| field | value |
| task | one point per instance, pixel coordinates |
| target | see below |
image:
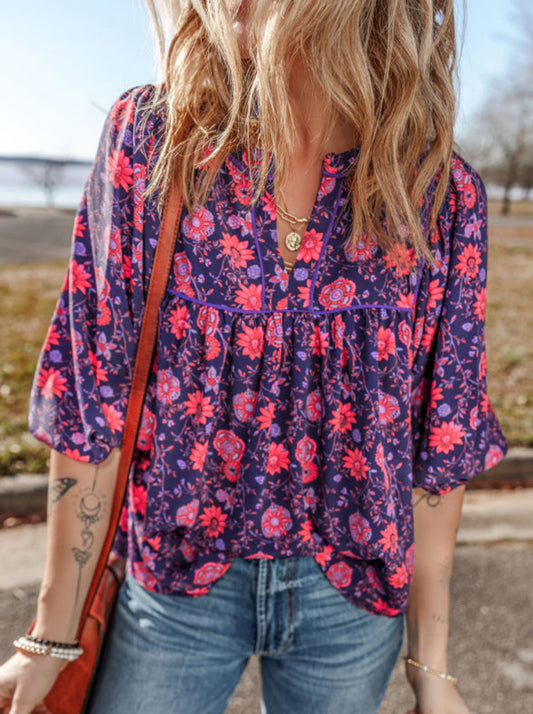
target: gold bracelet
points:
(430, 670)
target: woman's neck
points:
(318, 132)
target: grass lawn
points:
(28, 294)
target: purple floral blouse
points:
(286, 414)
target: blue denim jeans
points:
(319, 653)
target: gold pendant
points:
(293, 240)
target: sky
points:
(63, 64)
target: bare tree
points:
(47, 174)
(503, 140)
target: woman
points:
(318, 394)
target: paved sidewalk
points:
(491, 644)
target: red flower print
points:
(338, 330)
(305, 450)
(363, 250)
(213, 520)
(80, 279)
(274, 330)
(244, 405)
(251, 340)
(480, 306)
(76, 455)
(314, 408)
(356, 463)
(146, 431)
(212, 348)
(386, 343)
(404, 331)
(144, 576)
(228, 445)
(266, 416)
(304, 293)
(469, 195)
(388, 408)
(168, 387)
(138, 498)
(199, 406)
(337, 294)
(243, 190)
(276, 522)
(238, 251)
(231, 470)
(113, 417)
(493, 456)
(99, 371)
(179, 321)
(389, 538)
(103, 315)
(210, 572)
(410, 559)
(249, 296)
(51, 383)
(406, 256)
(120, 171)
(52, 338)
(435, 293)
(309, 472)
(186, 515)
(339, 575)
(469, 261)
(343, 418)
(446, 437)
(269, 205)
(79, 228)
(436, 395)
(278, 458)
(319, 341)
(182, 274)
(306, 532)
(324, 556)
(198, 225)
(400, 577)
(483, 364)
(405, 300)
(198, 455)
(359, 528)
(311, 246)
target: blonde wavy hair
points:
(386, 66)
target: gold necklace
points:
(293, 240)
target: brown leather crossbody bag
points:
(71, 691)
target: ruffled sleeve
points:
(455, 431)
(82, 381)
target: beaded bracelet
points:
(430, 670)
(42, 647)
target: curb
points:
(25, 494)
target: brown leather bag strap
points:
(143, 361)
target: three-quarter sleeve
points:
(82, 381)
(455, 431)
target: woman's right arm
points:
(80, 497)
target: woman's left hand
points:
(434, 695)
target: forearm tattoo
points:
(440, 619)
(58, 488)
(90, 510)
(433, 500)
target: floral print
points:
(286, 413)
